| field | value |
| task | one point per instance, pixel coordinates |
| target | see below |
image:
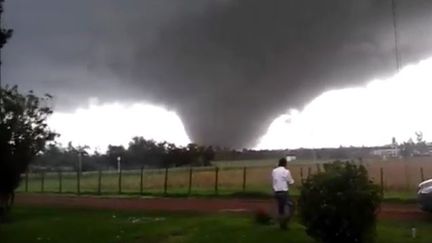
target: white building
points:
(290, 157)
(389, 152)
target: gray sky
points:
(228, 67)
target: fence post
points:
(78, 182)
(216, 180)
(120, 180)
(141, 180)
(301, 175)
(309, 171)
(26, 181)
(318, 168)
(407, 177)
(166, 181)
(190, 181)
(99, 190)
(42, 181)
(422, 174)
(382, 181)
(60, 181)
(244, 179)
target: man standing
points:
(281, 179)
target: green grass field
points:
(34, 224)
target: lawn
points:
(34, 224)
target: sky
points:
(224, 69)
(369, 115)
(99, 125)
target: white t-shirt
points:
(281, 178)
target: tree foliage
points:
(417, 148)
(340, 204)
(140, 153)
(23, 134)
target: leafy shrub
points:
(261, 216)
(340, 204)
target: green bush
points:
(340, 204)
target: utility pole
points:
(396, 34)
(118, 164)
(80, 161)
(5, 34)
(1, 47)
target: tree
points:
(145, 152)
(417, 148)
(23, 134)
(419, 137)
(5, 201)
(340, 204)
(53, 157)
(421, 146)
(209, 155)
(407, 148)
(113, 153)
(78, 154)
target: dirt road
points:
(201, 205)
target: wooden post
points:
(120, 180)
(141, 180)
(244, 179)
(422, 174)
(309, 171)
(318, 168)
(99, 189)
(166, 181)
(382, 181)
(26, 181)
(42, 181)
(407, 176)
(60, 181)
(301, 175)
(216, 180)
(190, 181)
(78, 182)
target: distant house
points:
(290, 157)
(387, 152)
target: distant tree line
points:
(330, 154)
(411, 148)
(417, 147)
(141, 153)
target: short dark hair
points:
(283, 162)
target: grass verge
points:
(35, 224)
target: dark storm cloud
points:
(228, 66)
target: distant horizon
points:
(92, 151)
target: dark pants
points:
(284, 202)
